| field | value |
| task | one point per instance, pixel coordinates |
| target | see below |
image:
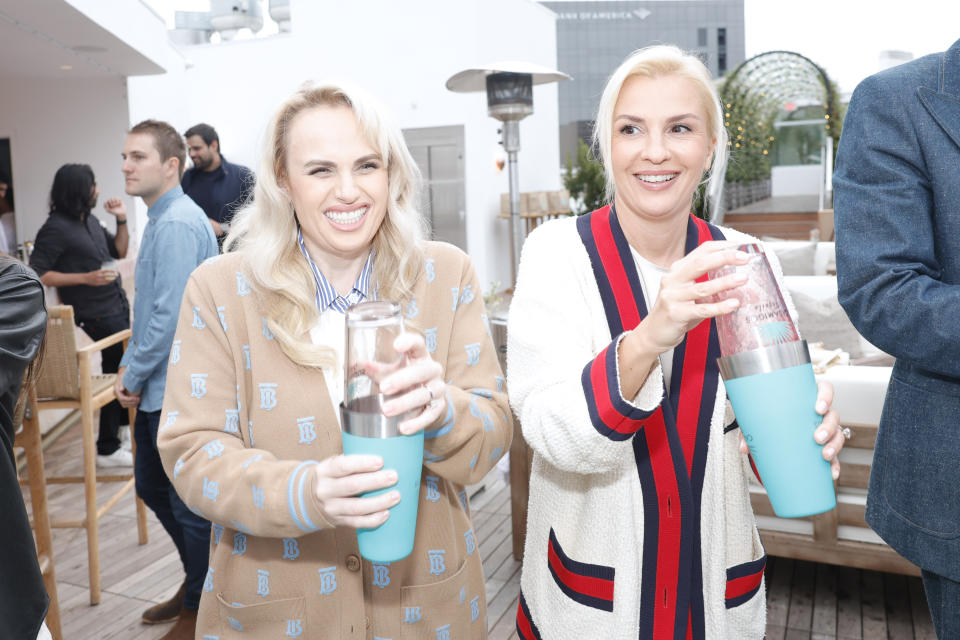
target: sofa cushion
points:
(824, 289)
(824, 320)
(796, 257)
(825, 259)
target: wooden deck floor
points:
(805, 600)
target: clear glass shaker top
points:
(762, 319)
(371, 330)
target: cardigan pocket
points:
(456, 605)
(746, 604)
(589, 584)
(744, 581)
(285, 618)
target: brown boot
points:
(186, 626)
(166, 611)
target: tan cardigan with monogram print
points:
(242, 428)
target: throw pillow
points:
(796, 258)
(824, 320)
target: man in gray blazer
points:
(897, 207)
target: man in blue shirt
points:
(176, 240)
(218, 186)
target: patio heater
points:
(509, 88)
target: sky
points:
(844, 37)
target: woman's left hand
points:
(418, 386)
(828, 433)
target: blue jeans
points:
(112, 416)
(943, 597)
(190, 532)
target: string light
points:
(756, 94)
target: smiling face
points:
(202, 154)
(660, 147)
(338, 184)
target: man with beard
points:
(73, 252)
(218, 186)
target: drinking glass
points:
(112, 267)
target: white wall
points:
(53, 122)
(403, 52)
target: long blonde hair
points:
(265, 231)
(654, 62)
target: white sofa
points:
(802, 257)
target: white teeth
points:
(346, 217)
(660, 178)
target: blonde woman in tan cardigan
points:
(250, 434)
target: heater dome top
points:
(470, 80)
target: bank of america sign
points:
(636, 14)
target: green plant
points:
(585, 180)
(492, 296)
(750, 128)
(700, 206)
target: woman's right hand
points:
(681, 305)
(341, 478)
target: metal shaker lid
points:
(764, 359)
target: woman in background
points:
(250, 434)
(639, 518)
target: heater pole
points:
(511, 142)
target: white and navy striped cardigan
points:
(639, 521)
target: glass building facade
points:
(593, 38)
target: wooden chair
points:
(28, 438)
(825, 224)
(67, 382)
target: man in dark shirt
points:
(75, 253)
(218, 186)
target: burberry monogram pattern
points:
(269, 536)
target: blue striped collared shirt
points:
(327, 296)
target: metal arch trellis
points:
(753, 96)
(779, 76)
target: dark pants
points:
(112, 416)
(190, 532)
(943, 597)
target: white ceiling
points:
(38, 37)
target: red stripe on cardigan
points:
(587, 585)
(668, 536)
(742, 586)
(694, 366)
(523, 624)
(599, 380)
(614, 269)
(755, 471)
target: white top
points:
(330, 331)
(651, 275)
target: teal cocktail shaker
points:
(769, 380)
(371, 328)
